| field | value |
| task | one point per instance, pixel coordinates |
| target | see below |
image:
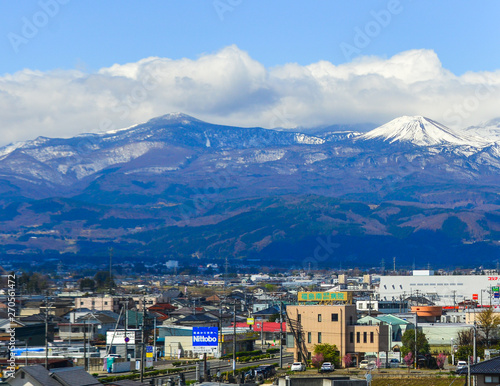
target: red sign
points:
(474, 297)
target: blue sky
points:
(455, 42)
(465, 35)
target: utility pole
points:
(46, 331)
(475, 342)
(110, 271)
(261, 334)
(281, 335)
(143, 337)
(126, 325)
(234, 339)
(85, 345)
(154, 341)
(416, 350)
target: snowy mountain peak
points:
(489, 130)
(421, 131)
(174, 118)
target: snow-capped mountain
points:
(489, 130)
(176, 172)
(179, 149)
(421, 131)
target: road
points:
(224, 365)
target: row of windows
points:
(358, 337)
(393, 287)
(309, 337)
(334, 318)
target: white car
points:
(461, 365)
(327, 367)
(368, 365)
(298, 366)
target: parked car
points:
(267, 370)
(394, 363)
(298, 366)
(461, 365)
(366, 364)
(326, 367)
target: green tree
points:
(102, 280)
(329, 351)
(274, 317)
(87, 284)
(465, 352)
(488, 323)
(408, 341)
(33, 282)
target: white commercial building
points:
(443, 290)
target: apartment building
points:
(334, 324)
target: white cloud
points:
(229, 87)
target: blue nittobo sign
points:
(205, 336)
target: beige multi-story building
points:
(115, 303)
(336, 325)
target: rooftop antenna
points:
(394, 263)
(110, 272)
(226, 265)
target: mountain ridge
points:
(94, 191)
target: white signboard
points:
(119, 337)
(205, 349)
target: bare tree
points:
(488, 323)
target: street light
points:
(452, 351)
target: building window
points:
(319, 337)
(319, 317)
(491, 379)
(371, 337)
(365, 335)
(335, 317)
(351, 337)
(309, 339)
(358, 337)
(350, 320)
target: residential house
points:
(487, 373)
(37, 375)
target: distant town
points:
(206, 322)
